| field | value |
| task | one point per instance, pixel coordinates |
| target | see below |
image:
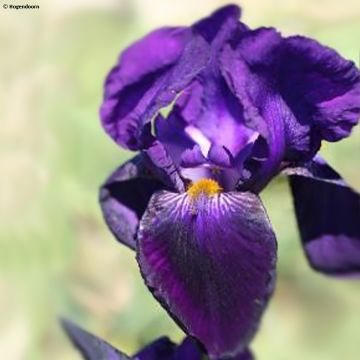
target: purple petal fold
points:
(90, 346)
(151, 72)
(164, 349)
(220, 156)
(327, 85)
(124, 197)
(171, 133)
(219, 25)
(264, 110)
(294, 92)
(208, 104)
(132, 83)
(328, 215)
(314, 89)
(141, 84)
(162, 165)
(210, 262)
(188, 350)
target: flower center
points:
(206, 187)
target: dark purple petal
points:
(152, 71)
(294, 92)
(328, 215)
(188, 350)
(264, 110)
(165, 349)
(148, 76)
(210, 262)
(90, 346)
(209, 105)
(124, 197)
(135, 78)
(162, 47)
(320, 88)
(325, 83)
(160, 349)
(219, 25)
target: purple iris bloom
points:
(241, 106)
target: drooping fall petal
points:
(210, 262)
(124, 197)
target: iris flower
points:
(215, 111)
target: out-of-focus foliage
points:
(56, 255)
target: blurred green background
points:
(56, 255)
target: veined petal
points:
(210, 262)
(124, 197)
(90, 346)
(328, 215)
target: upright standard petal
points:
(326, 84)
(219, 25)
(208, 105)
(294, 91)
(328, 215)
(151, 72)
(90, 346)
(264, 110)
(148, 76)
(124, 197)
(210, 262)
